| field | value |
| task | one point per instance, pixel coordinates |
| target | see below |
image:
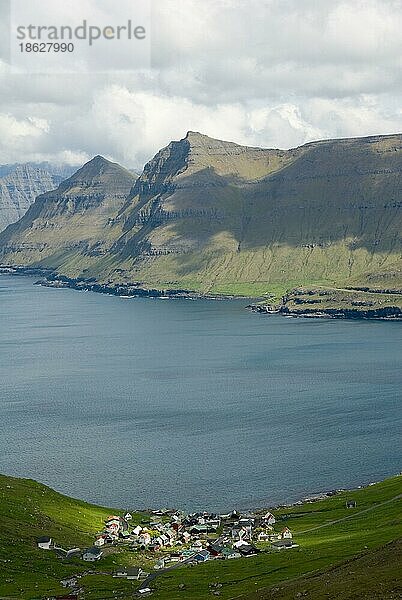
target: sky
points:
(270, 73)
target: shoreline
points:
(48, 278)
(310, 498)
(133, 290)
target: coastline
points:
(391, 313)
(48, 278)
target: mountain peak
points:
(197, 137)
(98, 169)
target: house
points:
(229, 553)
(247, 550)
(351, 504)
(137, 530)
(201, 556)
(92, 554)
(109, 539)
(241, 533)
(44, 542)
(284, 544)
(128, 516)
(130, 573)
(263, 536)
(112, 527)
(215, 549)
(186, 537)
(145, 591)
(286, 534)
(269, 518)
(100, 541)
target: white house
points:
(286, 534)
(44, 542)
(128, 516)
(137, 530)
(100, 541)
(92, 554)
(269, 518)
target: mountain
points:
(71, 222)
(214, 216)
(21, 183)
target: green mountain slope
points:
(326, 532)
(214, 216)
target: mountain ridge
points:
(217, 217)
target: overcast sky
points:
(271, 73)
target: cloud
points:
(275, 73)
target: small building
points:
(137, 530)
(351, 504)
(100, 541)
(92, 554)
(247, 550)
(186, 536)
(263, 536)
(229, 553)
(201, 556)
(269, 518)
(128, 516)
(284, 544)
(44, 542)
(130, 573)
(286, 534)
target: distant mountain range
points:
(216, 217)
(20, 184)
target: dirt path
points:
(352, 516)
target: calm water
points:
(194, 404)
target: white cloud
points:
(275, 73)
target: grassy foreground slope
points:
(29, 510)
(326, 531)
(374, 575)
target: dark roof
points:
(44, 539)
(282, 543)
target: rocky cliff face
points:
(214, 216)
(72, 223)
(21, 184)
(217, 214)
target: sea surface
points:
(192, 404)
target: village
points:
(174, 539)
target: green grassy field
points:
(29, 510)
(318, 549)
(327, 533)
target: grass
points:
(319, 549)
(28, 510)
(326, 531)
(374, 575)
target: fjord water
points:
(192, 404)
